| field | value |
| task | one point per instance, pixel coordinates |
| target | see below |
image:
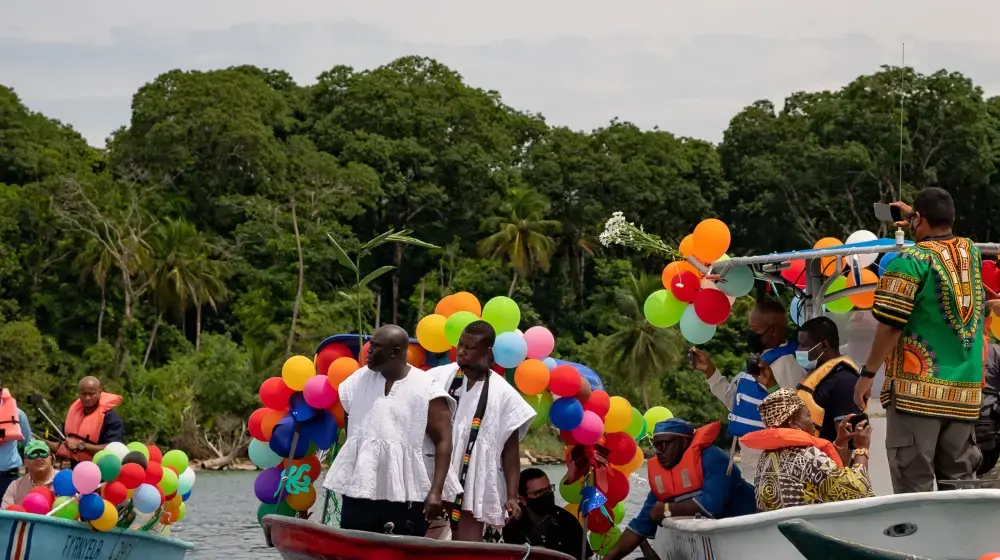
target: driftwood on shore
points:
(224, 460)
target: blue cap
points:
(676, 426)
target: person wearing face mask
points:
(828, 389)
(930, 304)
(542, 522)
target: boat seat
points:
(814, 545)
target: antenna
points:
(900, 235)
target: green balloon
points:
(657, 414)
(541, 404)
(636, 428)
(110, 466)
(618, 512)
(570, 492)
(270, 509)
(455, 324)
(601, 544)
(662, 309)
(70, 511)
(136, 446)
(177, 459)
(842, 305)
(502, 313)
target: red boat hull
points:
(298, 539)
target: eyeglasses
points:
(542, 491)
(39, 454)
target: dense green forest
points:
(183, 263)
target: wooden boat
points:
(949, 525)
(299, 539)
(24, 536)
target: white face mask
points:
(802, 357)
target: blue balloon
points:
(300, 409)
(550, 363)
(796, 311)
(694, 329)
(885, 261)
(737, 282)
(510, 349)
(321, 430)
(62, 484)
(282, 436)
(145, 498)
(566, 413)
(92, 506)
(262, 455)
(185, 497)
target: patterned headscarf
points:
(779, 406)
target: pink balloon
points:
(318, 393)
(36, 503)
(590, 429)
(86, 477)
(540, 342)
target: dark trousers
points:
(382, 516)
(6, 478)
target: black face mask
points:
(543, 504)
(755, 341)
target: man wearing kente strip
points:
(930, 305)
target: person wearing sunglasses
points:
(38, 472)
(544, 523)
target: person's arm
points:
(439, 431)
(25, 426)
(511, 460)
(715, 489)
(642, 527)
(8, 495)
(722, 388)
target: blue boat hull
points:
(33, 537)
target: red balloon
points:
(499, 369)
(597, 522)
(329, 354)
(363, 356)
(585, 390)
(712, 306)
(991, 275)
(43, 490)
(131, 476)
(567, 437)
(275, 394)
(162, 497)
(155, 454)
(617, 487)
(16, 507)
(621, 448)
(115, 492)
(795, 274)
(253, 425)
(564, 380)
(154, 472)
(685, 285)
(599, 403)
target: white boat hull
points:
(952, 525)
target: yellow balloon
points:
(656, 414)
(296, 371)
(430, 334)
(573, 509)
(303, 500)
(619, 415)
(175, 502)
(108, 519)
(995, 325)
(181, 512)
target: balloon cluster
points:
(991, 278)
(697, 303)
(152, 482)
(301, 415)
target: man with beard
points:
(542, 522)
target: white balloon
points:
(185, 481)
(117, 448)
(861, 236)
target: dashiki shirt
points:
(933, 291)
(799, 476)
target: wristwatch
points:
(81, 447)
(866, 373)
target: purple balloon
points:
(265, 487)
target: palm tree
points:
(636, 347)
(210, 289)
(522, 234)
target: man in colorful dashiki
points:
(930, 305)
(798, 468)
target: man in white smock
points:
(775, 368)
(391, 408)
(490, 421)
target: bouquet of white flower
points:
(618, 231)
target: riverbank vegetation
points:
(187, 259)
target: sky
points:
(684, 66)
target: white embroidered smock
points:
(383, 455)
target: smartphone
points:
(886, 213)
(35, 399)
(858, 418)
(753, 368)
(692, 358)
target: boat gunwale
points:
(81, 526)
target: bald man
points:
(91, 423)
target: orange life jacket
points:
(812, 380)
(685, 480)
(86, 427)
(10, 420)
(773, 439)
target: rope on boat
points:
(527, 551)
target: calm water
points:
(222, 515)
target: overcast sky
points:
(684, 65)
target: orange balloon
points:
(994, 325)
(711, 240)
(464, 301)
(575, 510)
(633, 465)
(675, 268)
(531, 377)
(830, 265)
(341, 369)
(990, 556)
(415, 355)
(339, 414)
(314, 466)
(303, 500)
(687, 246)
(867, 299)
(447, 306)
(270, 419)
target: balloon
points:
(994, 325)
(574, 510)
(509, 350)
(109, 466)
(531, 377)
(662, 309)
(132, 476)
(154, 473)
(598, 403)
(328, 354)
(15, 507)
(737, 282)
(341, 369)
(35, 503)
(464, 301)
(866, 299)
(566, 414)
(585, 390)
(796, 312)
(108, 519)
(684, 286)
(320, 431)
(431, 333)
(570, 492)
(590, 429)
(168, 483)
(603, 543)
(885, 261)
(415, 355)
(115, 492)
(795, 274)
(830, 265)
(267, 425)
(619, 415)
(117, 448)
(86, 477)
(550, 363)
(540, 404)
(154, 453)
(502, 313)
(635, 464)
(655, 415)
(712, 306)
(564, 381)
(69, 511)
(134, 457)
(363, 354)
(145, 498)
(319, 393)
(990, 556)
(265, 486)
(862, 236)
(304, 500)
(618, 487)
(694, 329)
(296, 371)
(255, 422)
(261, 455)
(621, 448)
(991, 275)
(842, 305)
(711, 240)
(175, 459)
(598, 523)
(46, 493)
(675, 268)
(446, 307)
(267, 509)
(92, 507)
(140, 447)
(540, 342)
(455, 324)
(686, 246)
(311, 462)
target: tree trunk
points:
(397, 259)
(378, 311)
(423, 288)
(513, 284)
(298, 293)
(152, 339)
(100, 316)
(197, 327)
(126, 322)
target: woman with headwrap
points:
(797, 468)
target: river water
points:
(222, 515)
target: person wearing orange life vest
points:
(828, 388)
(15, 430)
(91, 423)
(688, 477)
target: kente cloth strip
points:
(477, 421)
